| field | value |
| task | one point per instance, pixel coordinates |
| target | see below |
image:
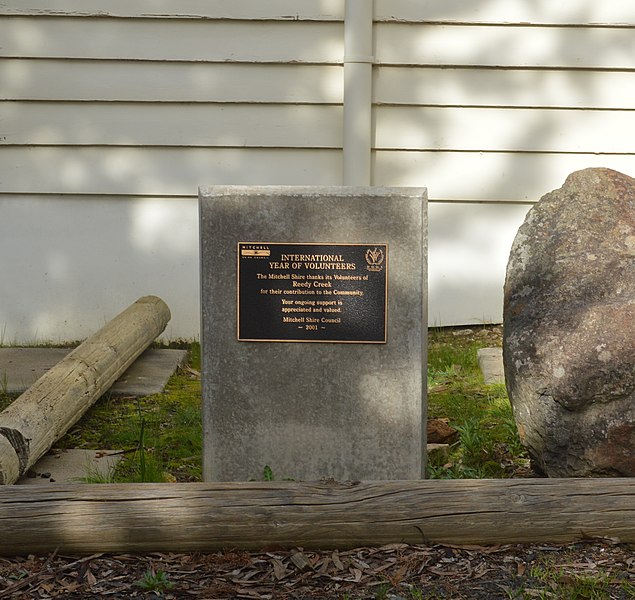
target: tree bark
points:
(206, 517)
(46, 411)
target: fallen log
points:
(202, 517)
(46, 411)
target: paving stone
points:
(70, 466)
(22, 367)
(490, 361)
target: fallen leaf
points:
(279, 570)
(335, 557)
(300, 561)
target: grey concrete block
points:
(149, 374)
(314, 410)
(490, 361)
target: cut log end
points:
(9, 462)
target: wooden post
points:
(47, 410)
(203, 517)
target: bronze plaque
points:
(290, 292)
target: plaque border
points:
(239, 339)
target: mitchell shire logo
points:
(374, 258)
(254, 251)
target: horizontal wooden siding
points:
(488, 104)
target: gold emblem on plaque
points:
(374, 258)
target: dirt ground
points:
(393, 572)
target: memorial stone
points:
(314, 329)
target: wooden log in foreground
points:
(47, 410)
(210, 516)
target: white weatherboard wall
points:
(111, 116)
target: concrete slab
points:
(22, 367)
(149, 374)
(490, 361)
(313, 396)
(70, 466)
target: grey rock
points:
(569, 342)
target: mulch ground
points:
(393, 572)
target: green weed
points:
(382, 591)
(154, 581)
(94, 475)
(489, 445)
(416, 593)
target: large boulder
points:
(569, 327)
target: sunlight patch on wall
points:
(161, 226)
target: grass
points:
(547, 581)
(161, 435)
(489, 446)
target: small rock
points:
(438, 454)
(462, 332)
(439, 432)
